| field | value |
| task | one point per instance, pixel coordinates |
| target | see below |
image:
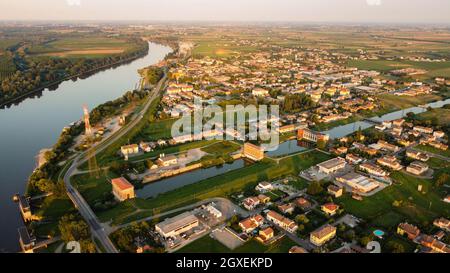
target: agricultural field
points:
(80, 48)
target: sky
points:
(346, 11)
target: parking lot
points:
(227, 238)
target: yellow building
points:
(253, 152)
(122, 189)
(322, 235)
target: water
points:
(36, 123)
(172, 183)
(291, 146)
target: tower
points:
(93, 167)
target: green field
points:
(80, 47)
(415, 207)
(206, 244)
(221, 148)
(434, 69)
(441, 115)
(433, 150)
(393, 102)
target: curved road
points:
(83, 207)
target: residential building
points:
(388, 147)
(330, 208)
(417, 168)
(213, 210)
(390, 162)
(336, 191)
(442, 223)
(322, 235)
(373, 169)
(250, 203)
(128, 150)
(353, 159)
(434, 245)
(249, 224)
(167, 160)
(286, 208)
(281, 221)
(411, 231)
(264, 186)
(265, 234)
(303, 203)
(417, 155)
(297, 249)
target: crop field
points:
(80, 47)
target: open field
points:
(434, 69)
(206, 244)
(414, 206)
(80, 47)
(441, 115)
(394, 102)
(433, 150)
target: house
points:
(357, 182)
(167, 160)
(330, 209)
(322, 235)
(442, 223)
(281, 221)
(250, 203)
(297, 249)
(213, 210)
(411, 231)
(417, 168)
(353, 159)
(260, 92)
(265, 234)
(447, 199)
(264, 186)
(122, 189)
(172, 227)
(286, 208)
(388, 147)
(249, 224)
(341, 150)
(417, 155)
(390, 162)
(263, 199)
(253, 152)
(332, 165)
(128, 150)
(373, 169)
(145, 147)
(336, 191)
(439, 134)
(434, 245)
(424, 130)
(303, 203)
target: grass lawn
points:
(393, 102)
(433, 150)
(160, 129)
(222, 148)
(207, 244)
(221, 185)
(441, 115)
(416, 207)
(51, 210)
(92, 188)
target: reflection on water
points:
(36, 123)
(168, 184)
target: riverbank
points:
(72, 77)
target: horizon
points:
(232, 11)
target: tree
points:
(440, 181)
(74, 229)
(395, 247)
(315, 188)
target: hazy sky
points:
(391, 11)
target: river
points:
(36, 123)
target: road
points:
(80, 203)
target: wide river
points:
(36, 123)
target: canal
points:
(36, 123)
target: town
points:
(362, 155)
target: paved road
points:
(83, 207)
